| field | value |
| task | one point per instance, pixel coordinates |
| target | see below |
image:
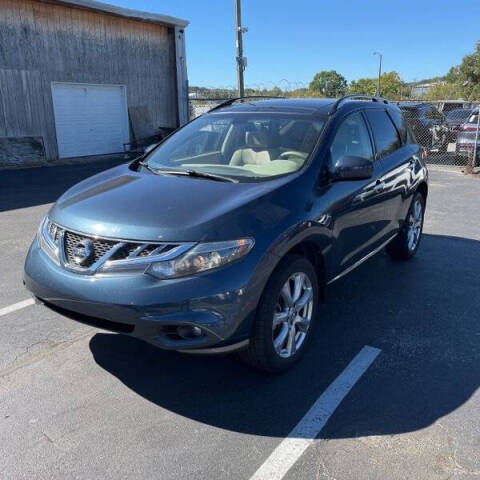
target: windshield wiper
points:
(191, 173)
(146, 165)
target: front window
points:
(244, 146)
(351, 139)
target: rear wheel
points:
(406, 243)
(285, 316)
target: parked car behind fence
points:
(428, 124)
(467, 134)
(449, 138)
(456, 118)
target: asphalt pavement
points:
(80, 403)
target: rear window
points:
(400, 123)
(384, 132)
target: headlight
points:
(48, 237)
(202, 257)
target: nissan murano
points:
(224, 236)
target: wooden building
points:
(80, 78)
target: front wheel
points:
(285, 316)
(406, 243)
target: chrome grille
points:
(141, 250)
(54, 231)
(106, 252)
(100, 248)
(135, 250)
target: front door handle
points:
(379, 187)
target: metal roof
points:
(123, 12)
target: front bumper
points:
(220, 302)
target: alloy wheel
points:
(293, 315)
(415, 220)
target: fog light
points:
(189, 331)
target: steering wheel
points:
(292, 153)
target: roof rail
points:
(228, 102)
(354, 96)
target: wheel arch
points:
(311, 242)
(311, 250)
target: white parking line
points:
(16, 306)
(303, 435)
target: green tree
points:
(453, 75)
(444, 91)
(461, 81)
(391, 86)
(363, 86)
(300, 93)
(328, 83)
(276, 92)
(469, 75)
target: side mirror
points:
(149, 148)
(350, 167)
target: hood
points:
(125, 204)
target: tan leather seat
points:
(255, 152)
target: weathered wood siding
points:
(41, 43)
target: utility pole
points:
(379, 71)
(241, 60)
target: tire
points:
(402, 247)
(266, 350)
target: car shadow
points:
(28, 187)
(423, 314)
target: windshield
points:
(461, 114)
(244, 146)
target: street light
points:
(379, 71)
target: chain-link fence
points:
(199, 106)
(448, 131)
(201, 100)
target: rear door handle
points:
(379, 187)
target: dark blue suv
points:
(224, 236)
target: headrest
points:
(257, 139)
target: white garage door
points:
(90, 119)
